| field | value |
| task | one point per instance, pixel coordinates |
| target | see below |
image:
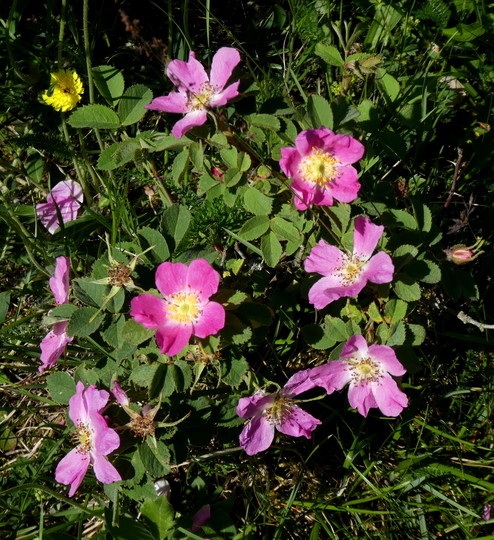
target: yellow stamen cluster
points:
(364, 370)
(350, 270)
(65, 91)
(200, 100)
(82, 436)
(319, 167)
(183, 307)
(280, 411)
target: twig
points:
(464, 318)
(456, 175)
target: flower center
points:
(83, 435)
(200, 100)
(280, 411)
(350, 270)
(364, 370)
(183, 307)
(319, 167)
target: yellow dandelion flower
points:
(65, 90)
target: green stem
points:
(61, 33)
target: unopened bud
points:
(119, 394)
(464, 254)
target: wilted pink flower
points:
(320, 167)
(120, 394)
(347, 274)
(200, 518)
(185, 309)
(68, 197)
(196, 92)
(464, 254)
(276, 411)
(96, 440)
(367, 370)
(55, 342)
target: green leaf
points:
(5, 303)
(128, 529)
(266, 121)
(415, 335)
(424, 270)
(400, 218)
(339, 217)
(257, 203)
(284, 230)
(374, 313)
(84, 322)
(176, 221)
(154, 458)
(232, 177)
(464, 32)
(254, 228)
(134, 333)
(143, 374)
(110, 83)
(131, 106)
(61, 387)
(397, 334)
(180, 164)
(330, 54)
(406, 289)
(316, 336)
(336, 328)
(229, 157)
(404, 255)
(160, 516)
(118, 154)
(271, 249)
(319, 112)
(151, 237)
(113, 332)
(387, 85)
(94, 116)
(395, 310)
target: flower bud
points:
(119, 394)
(464, 254)
(459, 255)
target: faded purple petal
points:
(365, 237)
(190, 120)
(257, 435)
(224, 62)
(72, 469)
(379, 269)
(174, 102)
(298, 423)
(361, 398)
(53, 345)
(332, 376)
(254, 405)
(59, 283)
(389, 398)
(211, 321)
(67, 196)
(324, 259)
(200, 518)
(298, 383)
(188, 75)
(387, 358)
(355, 346)
(119, 394)
(222, 98)
(105, 472)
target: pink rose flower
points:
(347, 274)
(68, 197)
(276, 411)
(367, 370)
(96, 440)
(55, 342)
(185, 309)
(320, 167)
(196, 92)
